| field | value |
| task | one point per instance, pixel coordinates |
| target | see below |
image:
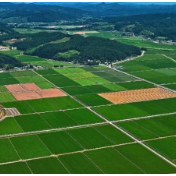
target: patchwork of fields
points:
(83, 132)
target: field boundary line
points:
(69, 153)
(52, 130)
(159, 138)
(143, 117)
(169, 58)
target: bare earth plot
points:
(30, 91)
(137, 95)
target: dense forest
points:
(4, 29)
(9, 62)
(15, 12)
(34, 40)
(152, 25)
(87, 49)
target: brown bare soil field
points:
(137, 95)
(47, 93)
(26, 95)
(31, 91)
(14, 88)
(30, 86)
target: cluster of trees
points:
(9, 62)
(89, 48)
(37, 39)
(152, 25)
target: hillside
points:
(85, 49)
(152, 25)
(7, 61)
(4, 29)
(121, 9)
(15, 12)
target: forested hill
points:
(121, 9)
(152, 25)
(4, 29)
(83, 49)
(22, 12)
(9, 62)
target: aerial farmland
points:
(87, 95)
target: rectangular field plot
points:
(114, 87)
(92, 99)
(136, 85)
(42, 105)
(6, 97)
(45, 85)
(113, 134)
(58, 119)
(170, 86)
(98, 89)
(9, 126)
(79, 164)
(144, 159)
(110, 113)
(89, 138)
(69, 70)
(30, 79)
(32, 122)
(29, 147)
(150, 128)
(91, 81)
(120, 112)
(3, 89)
(21, 106)
(15, 168)
(28, 59)
(59, 142)
(47, 72)
(155, 77)
(165, 147)
(61, 81)
(7, 81)
(5, 75)
(112, 162)
(65, 103)
(23, 73)
(148, 63)
(47, 166)
(83, 116)
(76, 90)
(137, 95)
(7, 152)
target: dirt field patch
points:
(48, 93)
(26, 95)
(31, 91)
(137, 95)
(14, 88)
(30, 86)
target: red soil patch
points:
(14, 88)
(30, 91)
(26, 95)
(47, 93)
(30, 86)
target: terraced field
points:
(83, 133)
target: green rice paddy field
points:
(83, 133)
